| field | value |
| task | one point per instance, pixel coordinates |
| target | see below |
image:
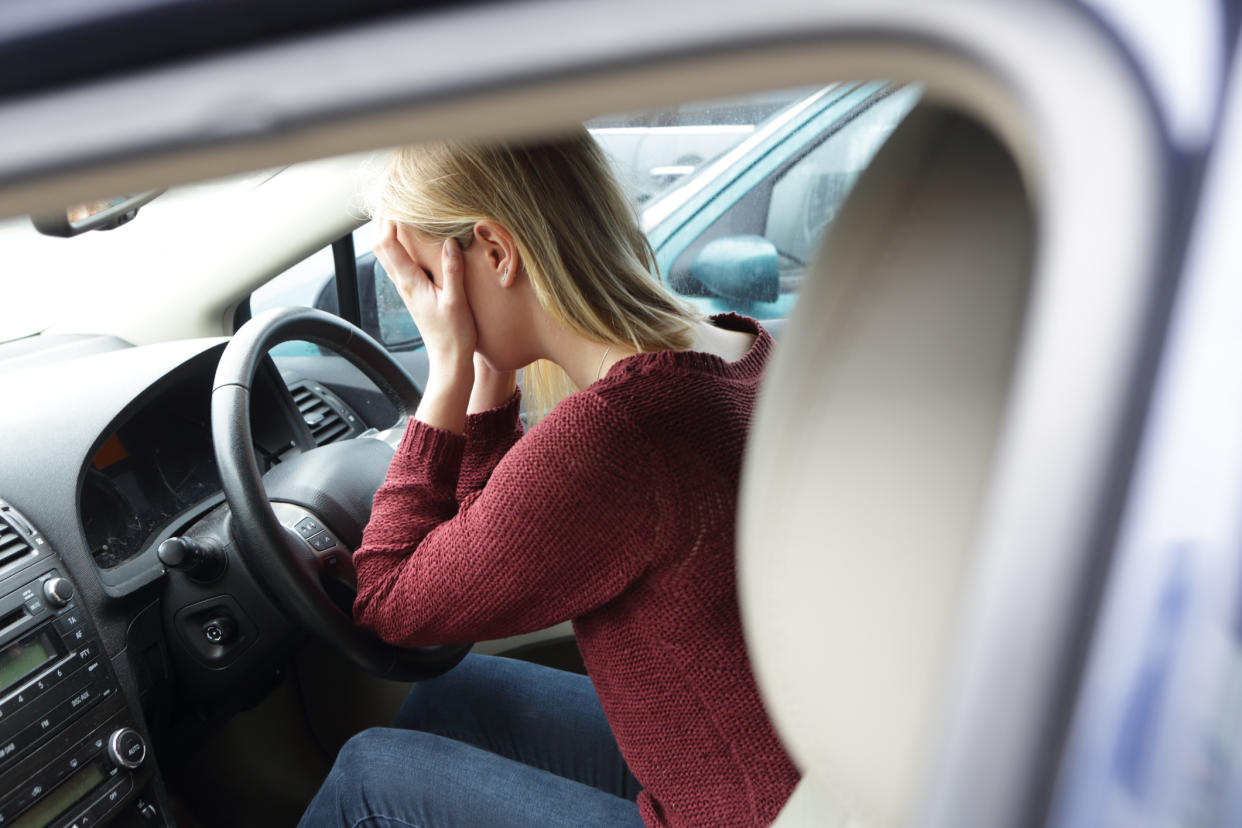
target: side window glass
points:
(384, 315)
(806, 197)
(312, 283)
(393, 324)
(655, 151)
(752, 256)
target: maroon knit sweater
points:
(617, 511)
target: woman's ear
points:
(498, 248)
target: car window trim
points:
(345, 265)
(682, 231)
(667, 206)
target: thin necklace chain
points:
(600, 369)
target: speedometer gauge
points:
(108, 519)
(188, 473)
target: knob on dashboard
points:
(58, 591)
(127, 748)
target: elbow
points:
(373, 603)
(365, 616)
(371, 615)
(379, 615)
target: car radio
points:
(68, 748)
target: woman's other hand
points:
(438, 305)
(492, 388)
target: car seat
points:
(869, 464)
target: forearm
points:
(489, 436)
(416, 497)
(509, 558)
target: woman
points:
(615, 511)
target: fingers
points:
(387, 245)
(403, 270)
(391, 253)
(451, 266)
(412, 280)
(441, 311)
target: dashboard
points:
(156, 472)
(105, 453)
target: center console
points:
(71, 753)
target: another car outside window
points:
(744, 241)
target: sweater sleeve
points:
(568, 519)
(489, 436)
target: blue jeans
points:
(493, 742)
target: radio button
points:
(65, 667)
(58, 591)
(69, 618)
(113, 796)
(82, 700)
(14, 747)
(88, 751)
(54, 773)
(27, 795)
(71, 701)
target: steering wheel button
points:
(308, 526)
(321, 541)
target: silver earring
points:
(504, 277)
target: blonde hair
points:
(588, 261)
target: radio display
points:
(21, 658)
(60, 799)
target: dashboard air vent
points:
(325, 419)
(13, 547)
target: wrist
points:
(448, 369)
(491, 388)
(446, 394)
(444, 405)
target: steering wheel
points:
(332, 485)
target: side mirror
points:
(104, 214)
(742, 268)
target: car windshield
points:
(42, 274)
(656, 154)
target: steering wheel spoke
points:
(326, 555)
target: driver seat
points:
(868, 462)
